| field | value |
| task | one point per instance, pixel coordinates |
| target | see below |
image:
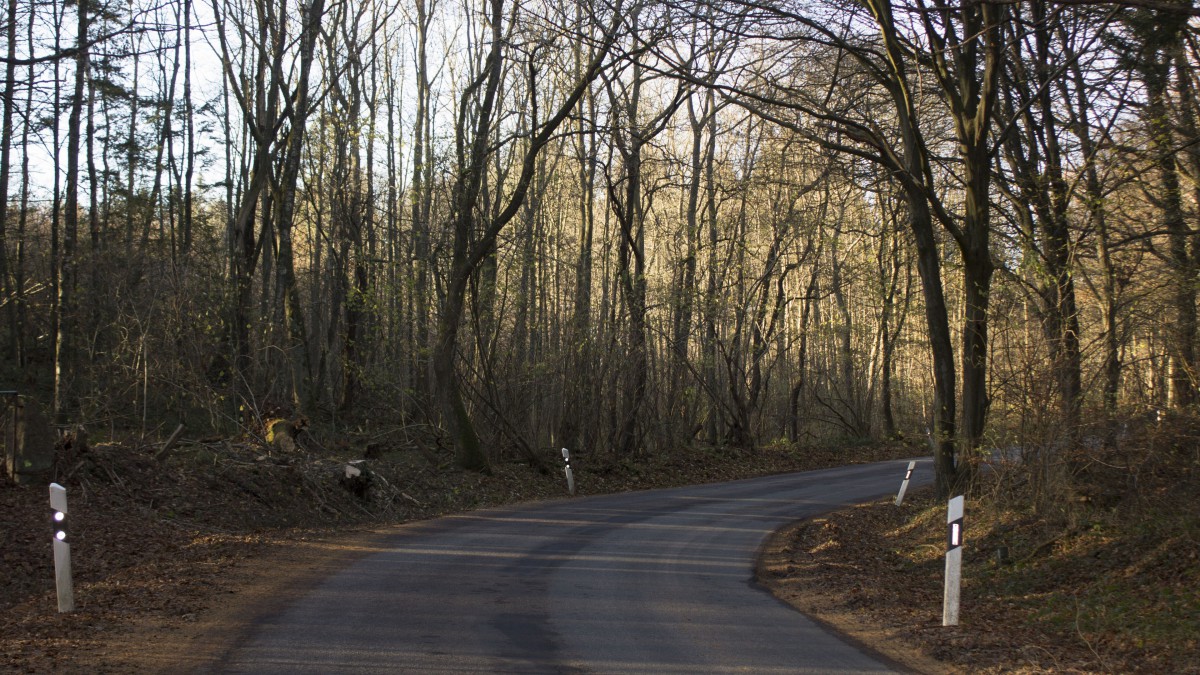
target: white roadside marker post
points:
(567, 470)
(954, 540)
(904, 485)
(62, 549)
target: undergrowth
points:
(1095, 548)
(1076, 559)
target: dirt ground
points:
(265, 581)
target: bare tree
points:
(473, 240)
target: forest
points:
(496, 228)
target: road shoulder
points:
(814, 585)
(246, 592)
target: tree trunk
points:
(469, 451)
(571, 433)
(943, 431)
(473, 241)
(22, 221)
(300, 358)
(190, 130)
(633, 280)
(65, 357)
(6, 134)
(1160, 36)
(421, 197)
(797, 388)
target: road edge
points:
(855, 629)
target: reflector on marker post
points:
(954, 535)
(904, 485)
(954, 542)
(62, 549)
(570, 474)
(59, 521)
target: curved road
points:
(646, 582)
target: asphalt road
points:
(647, 582)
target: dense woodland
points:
(621, 227)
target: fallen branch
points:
(171, 441)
